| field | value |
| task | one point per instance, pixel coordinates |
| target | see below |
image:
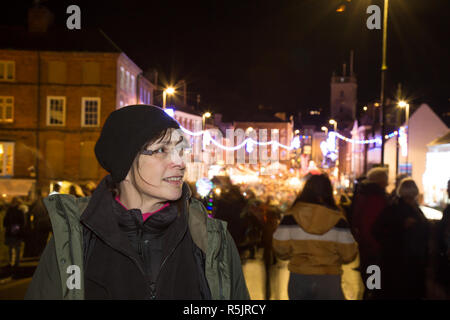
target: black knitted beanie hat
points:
(125, 132)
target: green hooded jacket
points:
(54, 276)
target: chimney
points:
(39, 18)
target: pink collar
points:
(144, 215)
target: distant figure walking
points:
(14, 223)
(403, 233)
(315, 236)
(369, 201)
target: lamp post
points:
(403, 104)
(383, 75)
(204, 116)
(325, 129)
(167, 91)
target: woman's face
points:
(160, 175)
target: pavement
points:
(13, 285)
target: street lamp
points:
(334, 123)
(167, 91)
(403, 104)
(325, 129)
(204, 116)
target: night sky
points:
(280, 54)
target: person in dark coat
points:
(253, 221)
(228, 207)
(14, 223)
(403, 233)
(369, 201)
(443, 249)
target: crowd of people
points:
(319, 233)
(27, 228)
(393, 233)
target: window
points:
(6, 158)
(90, 112)
(6, 109)
(127, 84)
(7, 70)
(148, 98)
(132, 84)
(56, 111)
(122, 78)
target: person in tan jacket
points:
(315, 236)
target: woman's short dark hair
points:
(318, 190)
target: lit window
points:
(122, 78)
(6, 158)
(90, 112)
(56, 111)
(7, 70)
(6, 109)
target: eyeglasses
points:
(166, 151)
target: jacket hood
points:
(315, 218)
(369, 187)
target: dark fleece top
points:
(127, 258)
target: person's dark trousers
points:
(14, 256)
(365, 262)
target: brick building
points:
(56, 89)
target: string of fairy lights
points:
(295, 144)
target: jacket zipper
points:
(153, 284)
(149, 283)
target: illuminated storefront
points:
(437, 172)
